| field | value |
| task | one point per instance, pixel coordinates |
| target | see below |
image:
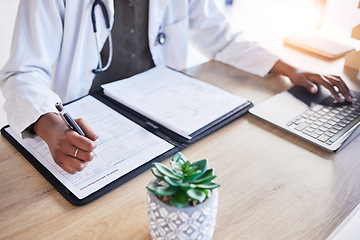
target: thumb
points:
(305, 80)
(311, 87)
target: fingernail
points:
(95, 136)
(314, 89)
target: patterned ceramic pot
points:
(168, 222)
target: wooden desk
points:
(274, 185)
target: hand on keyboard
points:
(311, 81)
(333, 83)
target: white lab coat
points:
(54, 49)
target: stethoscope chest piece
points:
(161, 38)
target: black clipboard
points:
(178, 141)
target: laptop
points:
(317, 118)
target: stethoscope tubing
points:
(161, 37)
(100, 68)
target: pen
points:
(70, 122)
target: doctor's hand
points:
(70, 151)
(311, 81)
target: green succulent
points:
(185, 183)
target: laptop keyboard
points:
(329, 120)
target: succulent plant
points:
(183, 184)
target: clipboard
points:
(179, 142)
(65, 192)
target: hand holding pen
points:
(69, 150)
(73, 151)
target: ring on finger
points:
(76, 152)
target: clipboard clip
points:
(152, 126)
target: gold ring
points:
(76, 152)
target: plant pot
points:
(169, 222)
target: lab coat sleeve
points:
(25, 80)
(211, 34)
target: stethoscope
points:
(160, 38)
(100, 67)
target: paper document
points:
(122, 147)
(349, 228)
(176, 101)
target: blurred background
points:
(266, 21)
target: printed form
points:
(122, 147)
